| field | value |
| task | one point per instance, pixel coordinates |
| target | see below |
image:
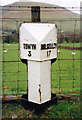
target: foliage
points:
(62, 110)
(15, 73)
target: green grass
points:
(61, 78)
(71, 44)
(62, 110)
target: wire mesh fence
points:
(65, 72)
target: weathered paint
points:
(40, 92)
(21, 57)
(39, 81)
(43, 37)
(38, 44)
(25, 39)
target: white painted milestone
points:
(38, 44)
(38, 41)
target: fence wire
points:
(65, 72)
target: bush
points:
(11, 39)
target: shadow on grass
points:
(38, 109)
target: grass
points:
(71, 44)
(61, 69)
(15, 73)
(61, 110)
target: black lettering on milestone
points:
(29, 46)
(43, 46)
(33, 46)
(55, 44)
(24, 46)
(48, 46)
(29, 53)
